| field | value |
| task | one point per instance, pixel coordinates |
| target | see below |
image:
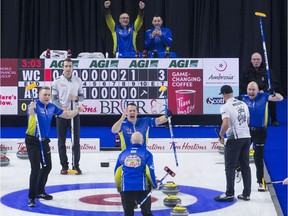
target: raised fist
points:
(141, 5)
(107, 4)
(272, 92)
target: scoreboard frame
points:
(109, 84)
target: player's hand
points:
(159, 184)
(154, 33)
(32, 105)
(141, 5)
(107, 4)
(72, 97)
(168, 113)
(221, 140)
(272, 92)
(80, 108)
(158, 30)
(124, 114)
(285, 181)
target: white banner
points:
(183, 145)
(86, 145)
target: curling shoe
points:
(224, 198)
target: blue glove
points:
(271, 92)
(168, 113)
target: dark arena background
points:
(207, 35)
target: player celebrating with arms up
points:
(129, 123)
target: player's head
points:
(67, 68)
(124, 20)
(226, 91)
(256, 60)
(137, 138)
(45, 95)
(157, 21)
(252, 89)
(132, 112)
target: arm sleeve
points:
(55, 95)
(139, 21)
(224, 112)
(109, 20)
(149, 41)
(167, 37)
(81, 92)
(57, 110)
(150, 170)
(118, 175)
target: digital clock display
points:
(31, 63)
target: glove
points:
(159, 184)
(271, 92)
(168, 113)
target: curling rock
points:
(171, 200)
(221, 148)
(3, 150)
(170, 188)
(179, 210)
(22, 153)
(4, 160)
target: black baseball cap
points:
(226, 89)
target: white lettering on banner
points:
(8, 100)
(86, 145)
(183, 145)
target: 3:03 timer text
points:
(31, 63)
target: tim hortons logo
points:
(89, 109)
(156, 147)
(188, 146)
(6, 147)
(21, 145)
(88, 147)
(214, 145)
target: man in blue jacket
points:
(135, 177)
(257, 103)
(158, 38)
(124, 33)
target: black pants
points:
(237, 151)
(272, 109)
(259, 139)
(128, 199)
(62, 126)
(38, 175)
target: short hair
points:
(157, 15)
(131, 104)
(44, 88)
(68, 60)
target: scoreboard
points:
(192, 85)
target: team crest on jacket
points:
(132, 161)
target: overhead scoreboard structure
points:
(193, 85)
